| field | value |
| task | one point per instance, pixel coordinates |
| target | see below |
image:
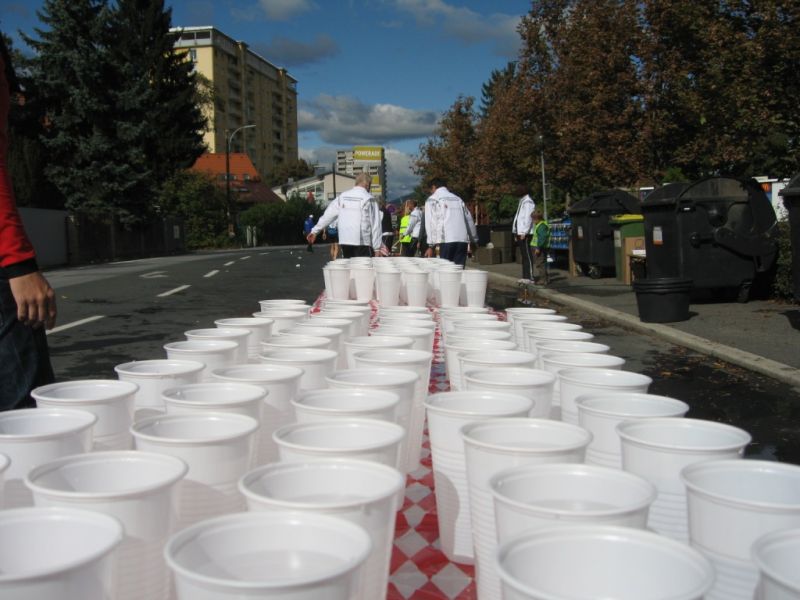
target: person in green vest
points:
(540, 242)
(409, 229)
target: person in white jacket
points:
(359, 220)
(522, 229)
(448, 224)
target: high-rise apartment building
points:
(248, 90)
(369, 159)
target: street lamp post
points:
(544, 179)
(228, 140)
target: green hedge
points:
(280, 223)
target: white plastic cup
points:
(538, 337)
(450, 320)
(362, 492)
(416, 284)
(485, 334)
(339, 278)
(516, 316)
(451, 353)
(32, 436)
(579, 381)
(217, 447)
(478, 360)
(338, 335)
(776, 556)
(331, 404)
(589, 562)
(282, 319)
(260, 331)
(57, 553)
(447, 413)
(449, 287)
(657, 449)
(403, 321)
(154, 376)
(601, 413)
(371, 342)
(477, 326)
(559, 361)
(351, 326)
(423, 338)
(358, 318)
(420, 362)
(387, 287)
(4, 463)
(282, 385)
(231, 334)
(531, 383)
(137, 489)
(494, 445)
(402, 310)
(281, 303)
(291, 340)
(268, 555)
(475, 283)
(363, 439)
(110, 400)
(316, 363)
(732, 503)
(212, 353)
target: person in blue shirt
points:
(308, 225)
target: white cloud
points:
(346, 121)
(467, 25)
(399, 178)
(283, 10)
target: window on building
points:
(247, 176)
(203, 35)
(193, 54)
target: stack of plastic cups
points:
(333, 404)
(732, 503)
(601, 413)
(657, 450)
(32, 436)
(155, 376)
(533, 384)
(387, 287)
(110, 400)
(281, 384)
(138, 489)
(239, 336)
(57, 553)
(474, 283)
(775, 555)
(364, 493)
(477, 360)
(448, 412)
(217, 447)
(363, 277)
(213, 354)
(260, 331)
(362, 439)
(452, 351)
(495, 445)
(282, 319)
(371, 342)
(402, 382)
(268, 555)
(577, 382)
(601, 562)
(418, 361)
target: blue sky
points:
(369, 71)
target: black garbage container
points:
(593, 235)
(719, 232)
(791, 200)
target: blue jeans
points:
(24, 356)
(454, 251)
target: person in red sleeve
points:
(27, 302)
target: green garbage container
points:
(625, 226)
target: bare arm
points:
(36, 300)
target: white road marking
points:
(229, 263)
(173, 291)
(74, 324)
(153, 274)
(244, 258)
(211, 273)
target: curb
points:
(747, 360)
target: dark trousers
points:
(410, 248)
(454, 251)
(540, 266)
(351, 251)
(526, 256)
(24, 357)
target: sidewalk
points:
(762, 336)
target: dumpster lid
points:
(608, 202)
(665, 195)
(623, 219)
(792, 189)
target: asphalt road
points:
(114, 313)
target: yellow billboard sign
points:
(367, 153)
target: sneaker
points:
(524, 281)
